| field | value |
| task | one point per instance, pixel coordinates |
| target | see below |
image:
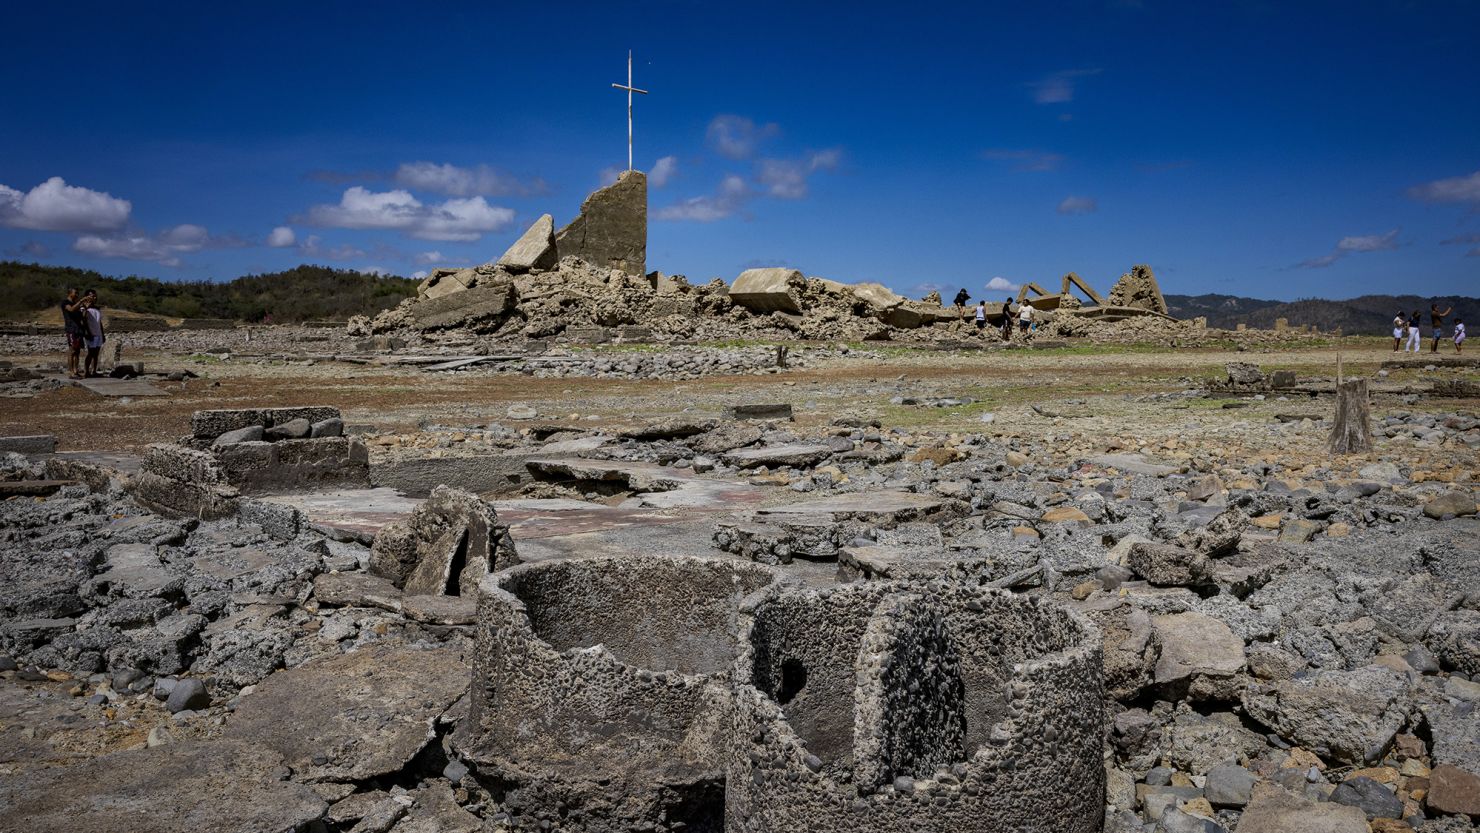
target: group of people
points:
(1409, 328)
(82, 317)
(1024, 316)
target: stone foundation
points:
(915, 706)
(599, 690)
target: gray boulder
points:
(293, 429)
(1165, 565)
(1200, 656)
(188, 693)
(1349, 716)
(249, 434)
(1454, 638)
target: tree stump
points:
(1351, 429)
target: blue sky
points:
(1254, 148)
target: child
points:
(1459, 335)
(981, 315)
(1399, 325)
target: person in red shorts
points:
(74, 321)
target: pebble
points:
(188, 693)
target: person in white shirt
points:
(981, 315)
(1025, 317)
(1459, 335)
(1399, 325)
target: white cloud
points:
(1453, 189)
(419, 274)
(1351, 245)
(456, 219)
(313, 246)
(56, 206)
(377, 270)
(1001, 284)
(428, 258)
(164, 248)
(281, 237)
(1025, 160)
(787, 178)
(663, 171)
(736, 137)
(454, 181)
(1058, 88)
(731, 196)
(1078, 205)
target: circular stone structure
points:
(915, 706)
(600, 690)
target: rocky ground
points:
(1291, 639)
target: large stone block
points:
(485, 304)
(443, 282)
(208, 425)
(535, 250)
(772, 289)
(611, 230)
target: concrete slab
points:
(1134, 464)
(792, 454)
(875, 506)
(121, 387)
(352, 716)
(208, 787)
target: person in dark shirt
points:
(75, 324)
(1007, 320)
(961, 298)
(1436, 318)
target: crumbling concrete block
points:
(1138, 288)
(534, 250)
(450, 542)
(484, 305)
(208, 425)
(772, 289)
(36, 444)
(928, 706)
(598, 685)
(611, 230)
(443, 282)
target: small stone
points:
(1338, 530)
(1065, 514)
(1372, 797)
(1159, 776)
(1229, 786)
(188, 693)
(519, 411)
(249, 434)
(1454, 791)
(1420, 660)
(159, 736)
(455, 771)
(1299, 530)
(1016, 459)
(1450, 504)
(162, 688)
(1185, 820)
(904, 784)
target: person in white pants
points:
(1415, 341)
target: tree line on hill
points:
(303, 293)
(1366, 315)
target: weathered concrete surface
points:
(34, 444)
(1275, 810)
(1200, 656)
(1350, 716)
(534, 250)
(442, 282)
(596, 687)
(355, 715)
(611, 230)
(481, 473)
(445, 547)
(1138, 288)
(791, 454)
(487, 303)
(915, 706)
(207, 787)
(772, 289)
(890, 506)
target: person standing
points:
(1436, 318)
(75, 326)
(1415, 342)
(1025, 318)
(95, 336)
(1007, 320)
(981, 315)
(1459, 335)
(961, 298)
(1400, 324)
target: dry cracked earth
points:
(1290, 639)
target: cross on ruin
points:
(630, 90)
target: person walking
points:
(1415, 342)
(961, 298)
(75, 325)
(1007, 320)
(1436, 318)
(95, 335)
(1400, 325)
(1459, 335)
(981, 315)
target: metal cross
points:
(630, 90)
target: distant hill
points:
(303, 293)
(1367, 315)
